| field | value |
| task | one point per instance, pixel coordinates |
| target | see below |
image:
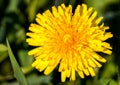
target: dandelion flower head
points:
(68, 40)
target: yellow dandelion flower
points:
(68, 40)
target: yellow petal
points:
(48, 70)
(81, 74)
(63, 76)
(86, 72)
(73, 74)
(91, 71)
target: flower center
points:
(67, 38)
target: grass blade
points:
(16, 68)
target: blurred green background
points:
(15, 18)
